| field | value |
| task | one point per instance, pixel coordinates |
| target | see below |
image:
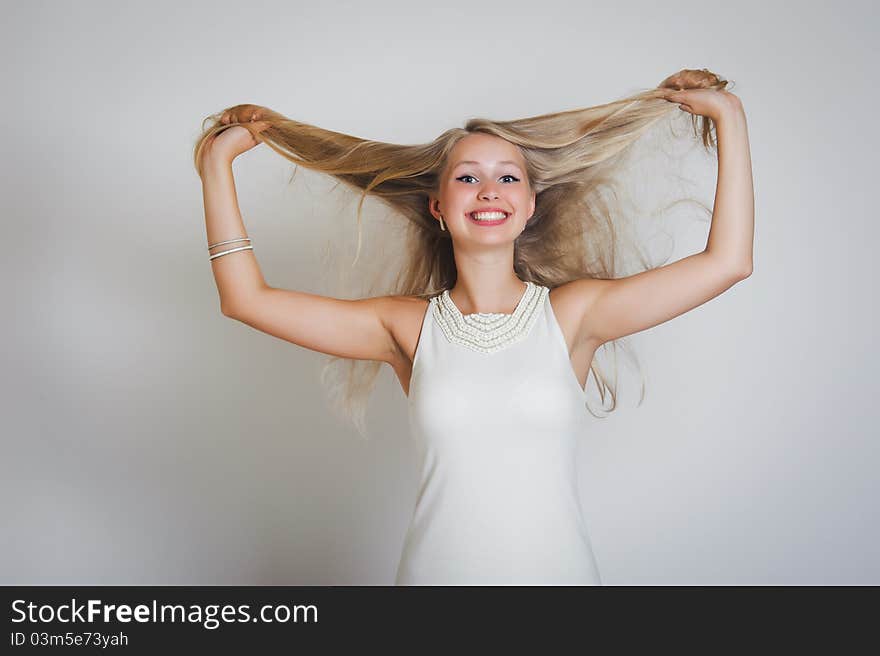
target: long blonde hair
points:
(573, 161)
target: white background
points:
(147, 439)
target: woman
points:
(507, 292)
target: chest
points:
(412, 313)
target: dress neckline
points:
(489, 332)
(522, 299)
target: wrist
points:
(214, 163)
(731, 110)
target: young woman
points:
(507, 291)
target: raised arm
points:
(355, 329)
(620, 307)
(237, 274)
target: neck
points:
(494, 295)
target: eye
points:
(516, 179)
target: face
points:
(497, 179)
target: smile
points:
(491, 218)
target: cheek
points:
(458, 198)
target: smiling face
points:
(484, 171)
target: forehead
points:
(485, 149)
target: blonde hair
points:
(573, 162)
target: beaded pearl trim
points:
(487, 332)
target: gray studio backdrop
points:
(148, 439)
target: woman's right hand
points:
(228, 144)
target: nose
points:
(488, 192)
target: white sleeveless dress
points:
(496, 411)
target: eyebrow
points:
(470, 161)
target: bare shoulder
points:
(571, 303)
(403, 317)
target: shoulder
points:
(571, 303)
(402, 316)
(401, 307)
(575, 296)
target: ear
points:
(433, 202)
(532, 205)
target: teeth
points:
(488, 216)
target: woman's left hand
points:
(711, 103)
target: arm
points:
(237, 275)
(731, 235)
(616, 308)
(357, 329)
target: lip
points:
(488, 223)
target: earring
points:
(442, 227)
